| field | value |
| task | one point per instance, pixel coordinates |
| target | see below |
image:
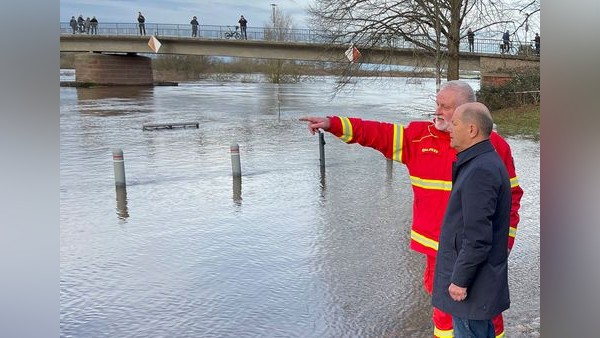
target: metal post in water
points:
(321, 149)
(236, 167)
(119, 165)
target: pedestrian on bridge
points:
(243, 23)
(73, 24)
(80, 23)
(141, 22)
(87, 24)
(471, 39)
(506, 42)
(94, 25)
(536, 40)
(194, 24)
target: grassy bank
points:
(521, 121)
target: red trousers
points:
(442, 321)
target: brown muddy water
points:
(184, 251)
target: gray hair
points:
(479, 114)
(462, 88)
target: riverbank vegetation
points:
(522, 121)
(192, 67)
(523, 88)
(515, 106)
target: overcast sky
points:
(209, 12)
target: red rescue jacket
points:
(427, 154)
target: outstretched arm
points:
(314, 123)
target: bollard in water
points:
(119, 165)
(236, 167)
(321, 149)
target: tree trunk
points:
(454, 40)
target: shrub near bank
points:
(522, 89)
(515, 106)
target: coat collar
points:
(473, 151)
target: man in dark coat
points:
(141, 23)
(243, 24)
(471, 39)
(194, 24)
(73, 24)
(471, 273)
(506, 42)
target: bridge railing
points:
(481, 45)
(204, 31)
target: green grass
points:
(521, 121)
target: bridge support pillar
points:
(113, 69)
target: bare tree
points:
(280, 28)
(430, 26)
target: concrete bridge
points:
(114, 53)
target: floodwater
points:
(290, 251)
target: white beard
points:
(441, 124)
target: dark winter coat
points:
(473, 246)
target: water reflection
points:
(114, 101)
(237, 190)
(122, 211)
(121, 92)
(322, 180)
(389, 170)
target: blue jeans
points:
(465, 328)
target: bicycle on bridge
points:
(233, 34)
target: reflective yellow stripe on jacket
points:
(431, 184)
(398, 137)
(346, 129)
(512, 231)
(450, 333)
(514, 182)
(443, 333)
(428, 242)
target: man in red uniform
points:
(424, 147)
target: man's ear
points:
(473, 130)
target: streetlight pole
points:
(438, 54)
(273, 15)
